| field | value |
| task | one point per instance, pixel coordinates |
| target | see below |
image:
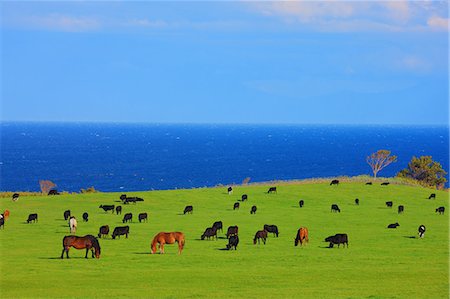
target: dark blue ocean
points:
(130, 157)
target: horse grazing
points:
(261, 234)
(218, 225)
(88, 242)
(168, 238)
(271, 229)
(302, 236)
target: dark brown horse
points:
(168, 238)
(261, 234)
(302, 236)
(88, 242)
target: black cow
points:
(389, 204)
(127, 217)
(218, 225)
(272, 190)
(85, 217)
(422, 231)
(357, 202)
(244, 197)
(123, 197)
(143, 216)
(107, 208)
(129, 199)
(335, 208)
(337, 239)
(209, 232)
(2, 221)
(301, 203)
(119, 210)
(236, 206)
(393, 225)
(401, 209)
(230, 190)
(369, 183)
(53, 192)
(334, 182)
(233, 242)
(441, 210)
(432, 196)
(15, 196)
(103, 231)
(385, 184)
(32, 217)
(66, 214)
(121, 230)
(232, 230)
(261, 234)
(188, 209)
(271, 229)
(253, 210)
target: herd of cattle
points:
(211, 232)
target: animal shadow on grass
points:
(143, 253)
(223, 249)
(325, 247)
(59, 258)
(410, 237)
(224, 238)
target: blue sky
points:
(334, 62)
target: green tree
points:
(380, 160)
(428, 172)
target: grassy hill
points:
(379, 263)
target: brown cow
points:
(302, 236)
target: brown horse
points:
(88, 242)
(302, 236)
(168, 238)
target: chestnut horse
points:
(168, 238)
(302, 236)
(88, 242)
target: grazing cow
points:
(393, 225)
(129, 199)
(253, 210)
(244, 197)
(32, 217)
(272, 190)
(432, 196)
(335, 208)
(107, 208)
(127, 217)
(121, 230)
(357, 202)
(261, 234)
(123, 197)
(334, 182)
(230, 190)
(209, 232)
(271, 229)
(66, 214)
(389, 204)
(218, 225)
(53, 192)
(385, 184)
(236, 206)
(15, 196)
(85, 217)
(421, 231)
(337, 239)
(441, 210)
(401, 209)
(302, 236)
(2, 221)
(301, 203)
(104, 231)
(232, 230)
(188, 209)
(369, 183)
(143, 216)
(233, 242)
(73, 225)
(6, 214)
(119, 210)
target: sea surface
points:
(131, 157)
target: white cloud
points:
(438, 23)
(59, 22)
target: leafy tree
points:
(380, 160)
(426, 171)
(46, 186)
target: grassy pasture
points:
(379, 263)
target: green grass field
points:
(379, 263)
